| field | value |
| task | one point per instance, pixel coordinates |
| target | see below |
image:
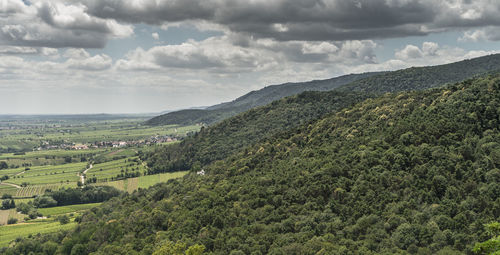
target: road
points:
(82, 176)
(11, 184)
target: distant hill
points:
(419, 78)
(253, 99)
(415, 78)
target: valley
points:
(42, 154)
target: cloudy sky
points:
(130, 56)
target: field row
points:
(130, 167)
(132, 184)
(11, 232)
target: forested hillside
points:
(407, 173)
(416, 78)
(253, 99)
(231, 135)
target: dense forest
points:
(415, 78)
(407, 173)
(231, 135)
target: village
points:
(158, 139)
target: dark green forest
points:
(233, 134)
(404, 173)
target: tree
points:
(179, 248)
(3, 165)
(8, 204)
(491, 246)
(64, 219)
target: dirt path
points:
(114, 152)
(20, 173)
(11, 184)
(82, 176)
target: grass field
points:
(48, 157)
(9, 233)
(11, 213)
(49, 174)
(6, 189)
(107, 170)
(147, 181)
(66, 209)
(87, 132)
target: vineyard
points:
(122, 168)
(31, 191)
(132, 184)
(66, 173)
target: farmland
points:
(67, 209)
(42, 154)
(143, 182)
(10, 232)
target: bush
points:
(44, 201)
(6, 196)
(64, 219)
(11, 221)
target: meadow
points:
(66, 209)
(9, 233)
(65, 173)
(132, 184)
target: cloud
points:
(155, 36)
(55, 24)
(483, 34)
(414, 52)
(221, 55)
(309, 20)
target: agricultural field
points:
(7, 189)
(49, 174)
(9, 233)
(40, 155)
(22, 135)
(143, 182)
(121, 168)
(11, 213)
(48, 157)
(66, 209)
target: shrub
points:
(12, 221)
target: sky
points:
(145, 56)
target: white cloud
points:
(94, 63)
(155, 36)
(409, 52)
(55, 24)
(483, 34)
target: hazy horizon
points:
(87, 57)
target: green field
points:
(147, 181)
(11, 213)
(106, 171)
(49, 174)
(66, 209)
(6, 189)
(29, 135)
(9, 233)
(48, 157)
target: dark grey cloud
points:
(310, 19)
